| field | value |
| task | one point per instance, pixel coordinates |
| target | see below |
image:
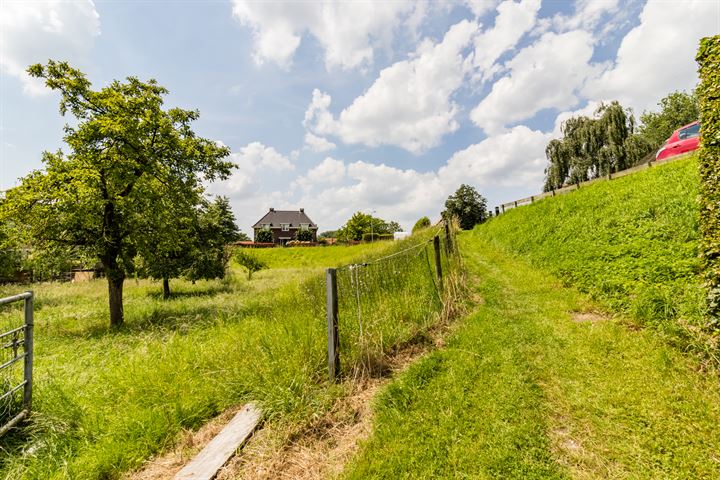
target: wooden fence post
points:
(448, 240)
(438, 263)
(332, 324)
(497, 211)
(503, 208)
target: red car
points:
(684, 139)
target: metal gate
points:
(16, 357)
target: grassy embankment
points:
(541, 382)
(631, 244)
(536, 384)
(105, 401)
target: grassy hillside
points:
(631, 243)
(536, 384)
(105, 401)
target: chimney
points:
(302, 210)
(272, 209)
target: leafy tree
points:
(423, 222)
(250, 262)
(129, 162)
(304, 235)
(676, 110)
(467, 205)
(361, 223)
(196, 250)
(329, 234)
(593, 147)
(263, 236)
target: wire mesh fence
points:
(385, 302)
(16, 346)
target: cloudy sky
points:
(356, 106)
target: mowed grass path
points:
(536, 384)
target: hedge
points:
(708, 59)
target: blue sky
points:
(356, 106)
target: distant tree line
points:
(363, 226)
(610, 140)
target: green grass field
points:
(631, 244)
(105, 401)
(536, 384)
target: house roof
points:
(292, 217)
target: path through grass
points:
(536, 384)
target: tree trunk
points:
(115, 291)
(166, 288)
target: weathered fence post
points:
(27, 391)
(497, 211)
(503, 207)
(438, 262)
(332, 325)
(448, 240)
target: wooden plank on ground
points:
(211, 459)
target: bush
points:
(264, 236)
(377, 237)
(423, 222)
(304, 236)
(708, 58)
(250, 262)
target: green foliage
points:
(676, 110)
(708, 58)
(131, 167)
(467, 205)
(631, 243)
(593, 147)
(423, 222)
(251, 263)
(361, 223)
(304, 235)
(263, 236)
(375, 237)
(328, 234)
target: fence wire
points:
(387, 302)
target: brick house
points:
(284, 225)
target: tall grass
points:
(631, 243)
(108, 400)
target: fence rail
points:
(16, 344)
(503, 207)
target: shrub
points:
(376, 237)
(263, 236)
(304, 236)
(423, 222)
(250, 262)
(708, 58)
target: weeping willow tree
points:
(594, 147)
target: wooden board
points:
(216, 454)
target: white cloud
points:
(587, 15)
(348, 32)
(409, 104)
(514, 19)
(33, 32)
(318, 144)
(480, 7)
(514, 158)
(547, 74)
(658, 56)
(251, 161)
(333, 191)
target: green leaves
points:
(708, 91)
(467, 205)
(134, 172)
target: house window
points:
(285, 227)
(304, 226)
